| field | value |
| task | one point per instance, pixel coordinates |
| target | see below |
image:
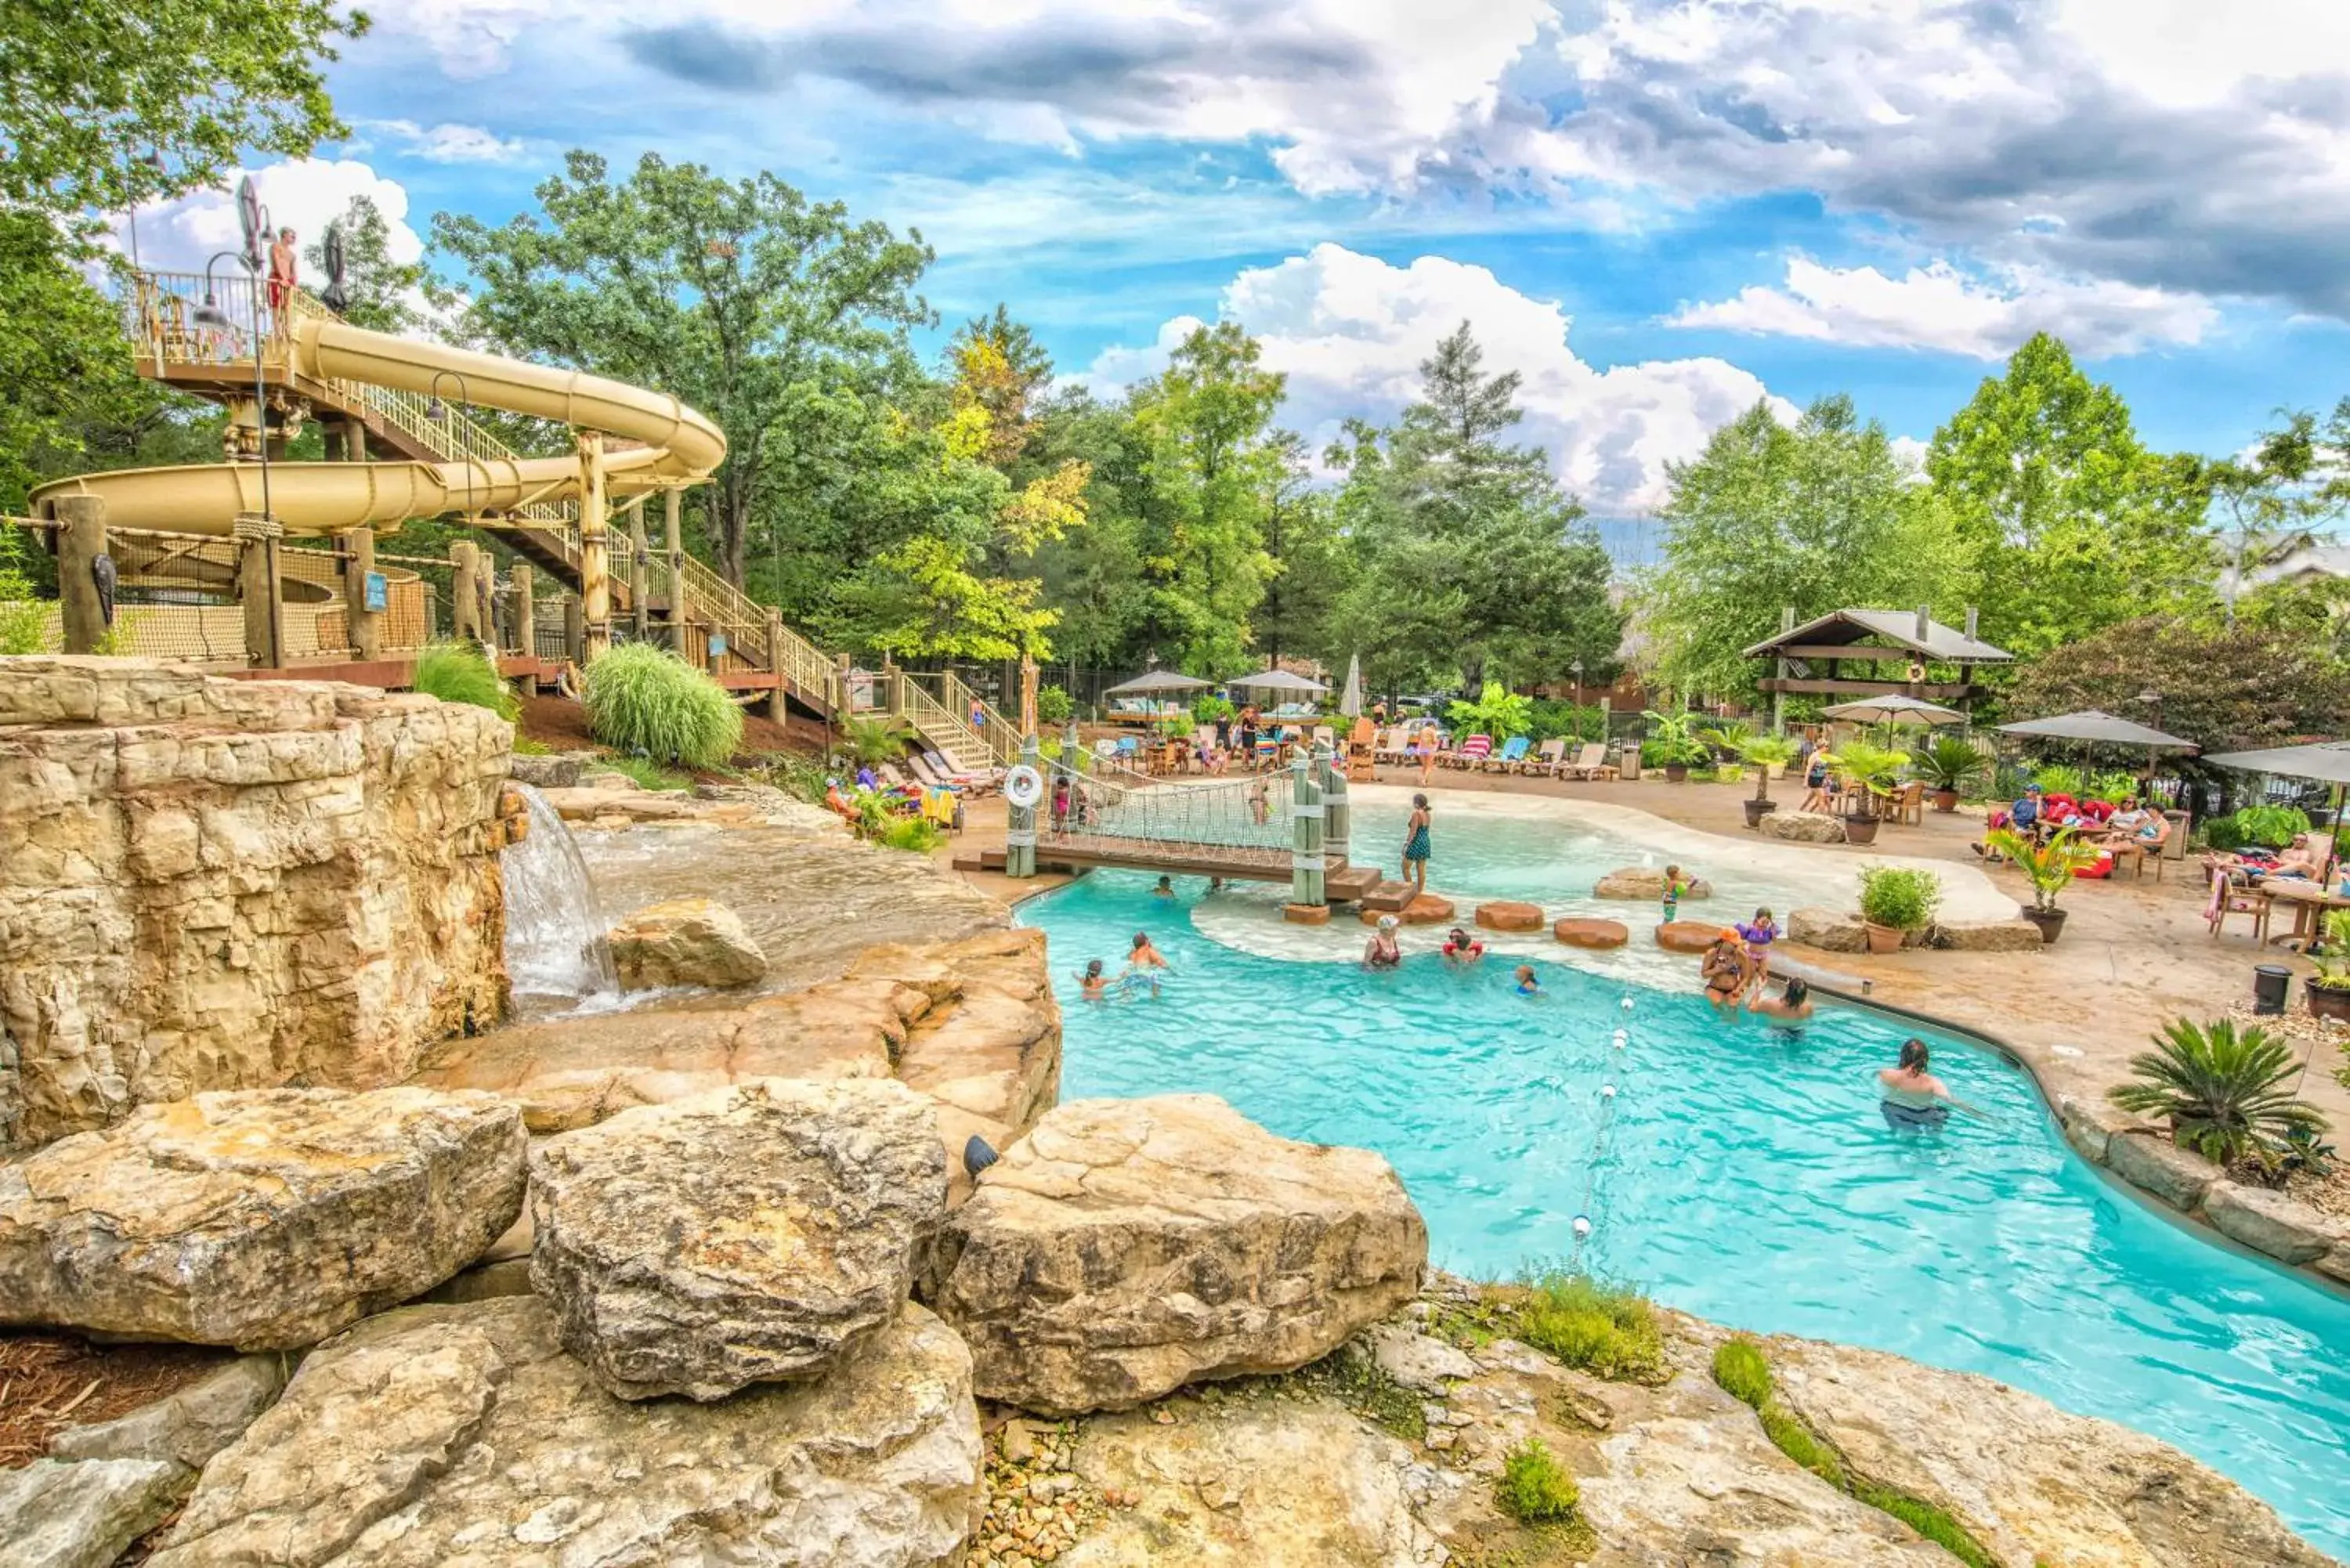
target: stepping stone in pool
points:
(1425, 909)
(1502, 915)
(1126, 1248)
(1686, 936)
(1589, 933)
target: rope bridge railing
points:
(1112, 806)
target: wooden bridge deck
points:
(1072, 853)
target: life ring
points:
(1023, 787)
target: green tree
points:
(1819, 517)
(1467, 550)
(381, 294)
(759, 307)
(2294, 485)
(1311, 565)
(2075, 524)
(106, 104)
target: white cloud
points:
(1350, 331)
(1938, 306)
(305, 195)
(449, 143)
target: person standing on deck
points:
(282, 261)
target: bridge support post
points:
(525, 620)
(1338, 816)
(776, 707)
(81, 540)
(257, 573)
(365, 626)
(594, 556)
(1306, 890)
(574, 630)
(464, 592)
(639, 570)
(673, 541)
(1020, 832)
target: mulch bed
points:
(52, 1381)
(561, 725)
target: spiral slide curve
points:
(678, 444)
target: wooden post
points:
(575, 629)
(525, 612)
(464, 598)
(81, 540)
(673, 545)
(1779, 698)
(364, 625)
(257, 585)
(639, 570)
(776, 707)
(1306, 890)
(1338, 818)
(1020, 832)
(594, 564)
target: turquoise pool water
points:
(1737, 1172)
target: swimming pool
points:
(1737, 1172)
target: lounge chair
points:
(920, 768)
(1545, 761)
(1470, 752)
(1591, 762)
(1506, 760)
(946, 774)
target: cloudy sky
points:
(1658, 211)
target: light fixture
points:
(435, 409)
(210, 313)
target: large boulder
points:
(1987, 936)
(261, 1219)
(685, 941)
(1589, 933)
(1802, 827)
(185, 1427)
(465, 1433)
(57, 1515)
(550, 769)
(1647, 882)
(2276, 1223)
(1128, 1247)
(749, 1236)
(1830, 930)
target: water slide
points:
(666, 442)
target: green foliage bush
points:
(1950, 762)
(2057, 778)
(649, 774)
(2269, 827)
(24, 617)
(1740, 1368)
(1534, 1487)
(1497, 711)
(1207, 708)
(1551, 720)
(2222, 1090)
(915, 835)
(1606, 1332)
(461, 672)
(869, 739)
(646, 702)
(1053, 705)
(1900, 896)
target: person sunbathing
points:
(2301, 857)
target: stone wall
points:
(209, 883)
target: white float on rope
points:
(1606, 1091)
(1628, 1004)
(1582, 1226)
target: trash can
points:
(2271, 985)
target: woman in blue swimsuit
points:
(1415, 846)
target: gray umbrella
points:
(1893, 708)
(1278, 681)
(1155, 680)
(2090, 724)
(1350, 702)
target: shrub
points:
(1739, 1366)
(1053, 705)
(2111, 785)
(915, 835)
(1207, 708)
(1554, 720)
(648, 701)
(24, 617)
(1606, 1332)
(1534, 1487)
(461, 672)
(2269, 826)
(1498, 712)
(872, 739)
(2220, 1089)
(2057, 778)
(1903, 896)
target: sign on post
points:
(375, 593)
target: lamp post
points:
(210, 313)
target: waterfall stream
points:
(557, 955)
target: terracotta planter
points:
(1946, 801)
(1677, 773)
(1756, 810)
(2049, 921)
(1860, 829)
(2326, 1002)
(1883, 938)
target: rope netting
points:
(1113, 805)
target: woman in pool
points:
(1094, 984)
(1461, 950)
(1383, 952)
(1527, 984)
(1793, 1005)
(1913, 1097)
(1415, 846)
(1724, 971)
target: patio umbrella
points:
(1278, 681)
(1350, 699)
(1156, 680)
(2093, 726)
(1893, 708)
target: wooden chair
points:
(1909, 804)
(2234, 899)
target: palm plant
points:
(1726, 737)
(2220, 1090)
(1951, 763)
(1765, 752)
(1870, 769)
(2049, 867)
(870, 740)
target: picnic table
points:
(2309, 901)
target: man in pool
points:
(1166, 889)
(1793, 1005)
(1144, 964)
(1913, 1097)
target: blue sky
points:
(1656, 210)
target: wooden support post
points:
(1020, 832)
(1338, 818)
(640, 571)
(1305, 889)
(81, 540)
(257, 583)
(526, 611)
(1779, 697)
(365, 626)
(776, 707)
(575, 629)
(673, 543)
(595, 563)
(465, 596)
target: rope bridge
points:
(1117, 813)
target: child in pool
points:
(1166, 889)
(1672, 894)
(1462, 950)
(1094, 984)
(1527, 984)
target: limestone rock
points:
(187, 1428)
(685, 941)
(552, 770)
(1502, 915)
(751, 1235)
(218, 884)
(1648, 882)
(1415, 1360)
(58, 1515)
(1988, 935)
(2031, 1483)
(2175, 1175)
(261, 1219)
(1686, 936)
(602, 796)
(2086, 1127)
(1587, 933)
(1125, 1247)
(1802, 827)
(1830, 930)
(464, 1434)
(2274, 1222)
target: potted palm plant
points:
(1949, 766)
(2329, 989)
(2221, 1091)
(1674, 744)
(2049, 868)
(1869, 770)
(1895, 900)
(1765, 752)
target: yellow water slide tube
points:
(677, 444)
